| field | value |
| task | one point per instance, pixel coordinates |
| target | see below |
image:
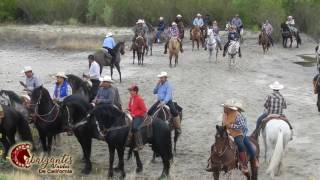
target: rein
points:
(158, 111)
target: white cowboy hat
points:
(61, 74)
(163, 74)
(231, 104)
(289, 17)
(160, 18)
(106, 79)
(174, 24)
(27, 69)
(109, 34)
(239, 105)
(276, 86)
(179, 16)
(140, 21)
(198, 14)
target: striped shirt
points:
(240, 124)
(275, 103)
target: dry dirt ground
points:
(200, 87)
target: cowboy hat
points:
(239, 105)
(160, 18)
(133, 87)
(163, 74)
(289, 17)
(230, 104)
(106, 79)
(61, 74)
(237, 15)
(276, 86)
(179, 16)
(198, 14)
(24, 94)
(140, 21)
(174, 24)
(214, 22)
(109, 34)
(27, 69)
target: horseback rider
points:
(275, 103)
(163, 90)
(109, 44)
(32, 81)
(160, 29)
(180, 25)
(268, 29)
(237, 22)
(137, 109)
(236, 125)
(197, 22)
(207, 20)
(94, 75)
(139, 30)
(173, 33)
(232, 36)
(107, 97)
(316, 87)
(214, 30)
(291, 24)
(62, 88)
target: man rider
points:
(180, 25)
(109, 44)
(215, 30)
(160, 29)
(274, 104)
(232, 36)
(139, 30)
(62, 88)
(94, 76)
(237, 22)
(207, 20)
(198, 21)
(291, 24)
(173, 33)
(163, 90)
(32, 81)
(267, 27)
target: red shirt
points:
(136, 106)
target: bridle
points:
(161, 109)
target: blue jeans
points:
(259, 121)
(137, 121)
(244, 144)
(159, 34)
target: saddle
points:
(273, 117)
(106, 53)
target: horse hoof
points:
(139, 169)
(110, 175)
(116, 169)
(163, 176)
(86, 171)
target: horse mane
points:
(77, 83)
(118, 45)
(12, 95)
(45, 93)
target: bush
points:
(8, 9)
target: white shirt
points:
(94, 71)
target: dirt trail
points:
(200, 87)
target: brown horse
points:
(174, 48)
(224, 154)
(264, 41)
(204, 32)
(139, 46)
(196, 36)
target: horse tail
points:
(24, 129)
(277, 154)
(162, 144)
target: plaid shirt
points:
(275, 103)
(240, 124)
(174, 32)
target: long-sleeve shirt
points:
(33, 82)
(233, 36)
(163, 92)
(237, 22)
(161, 26)
(198, 22)
(174, 32)
(240, 124)
(94, 71)
(139, 30)
(105, 95)
(109, 43)
(267, 28)
(275, 103)
(136, 106)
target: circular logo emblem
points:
(19, 155)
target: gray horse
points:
(104, 58)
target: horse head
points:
(121, 47)
(4, 98)
(221, 138)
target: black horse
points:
(104, 58)
(9, 124)
(49, 118)
(11, 99)
(287, 34)
(80, 86)
(116, 128)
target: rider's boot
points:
(138, 141)
(243, 162)
(177, 124)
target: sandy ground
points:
(200, 87)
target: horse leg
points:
(130, 151)
(192, 44)
(153, 160)
(142, 58)
(176, 60)
(138, 161)
(118, 69)
(254, 171)
(166, 168)
(176, 137)
(111, 70)
(43, 140)
(134, 56)
(170, 59)
(291, 42)
(85, 143)
(111, 159)
(216, 175)
(50, 144)
(120, 152)
(5, 144)
(151, 49)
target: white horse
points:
(212, 45)
(276, 136)
(233, 50)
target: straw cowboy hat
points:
(198, 14)
(163, 74)
(61, 74)
(179, 16)
(109, 34)
(234, 104)
(174, 24)
(160, 18)
(276, 86)
(26, 69)
(106, 79)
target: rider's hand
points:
(162, 103)
(93, 104)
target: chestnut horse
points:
(264, 41)
(139, 46)
(196, 36)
